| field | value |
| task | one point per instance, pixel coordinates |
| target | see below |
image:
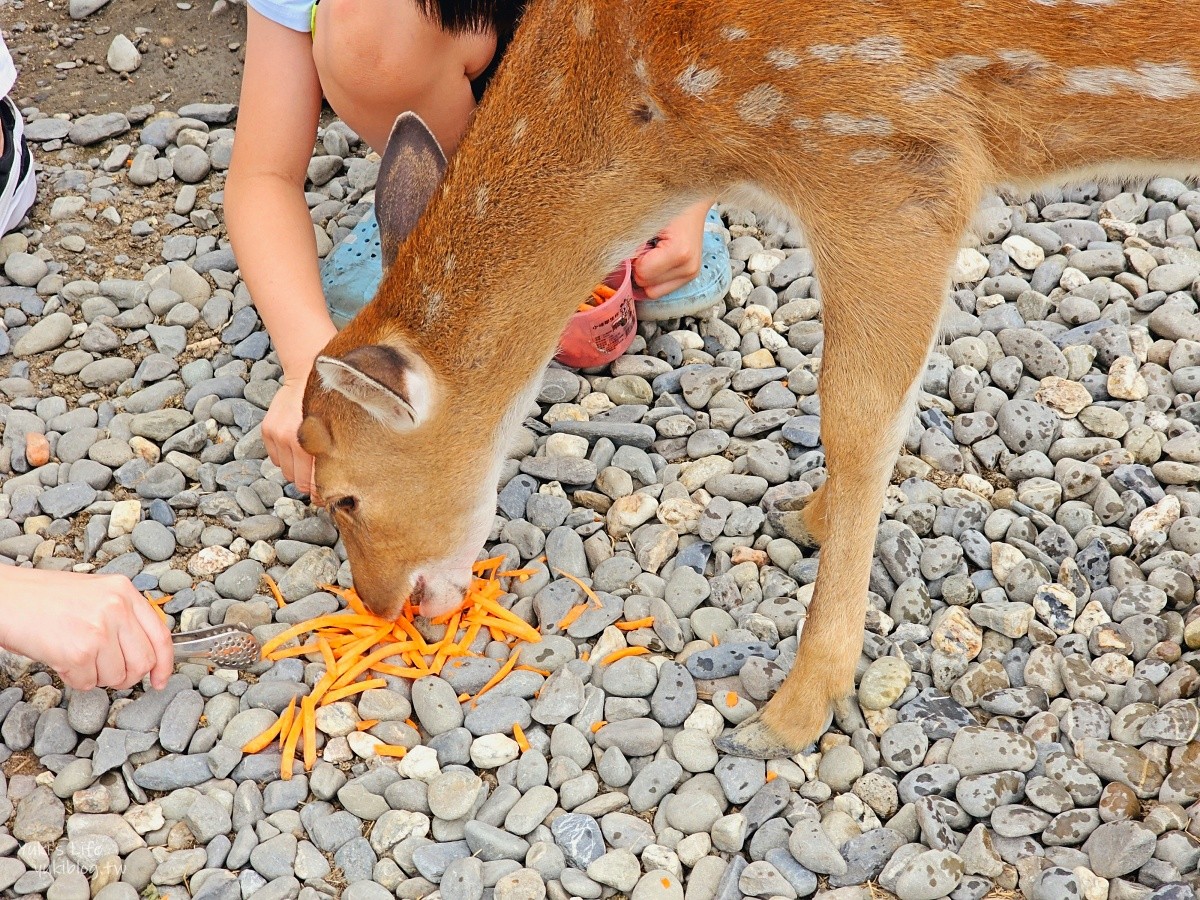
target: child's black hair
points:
(470, 15)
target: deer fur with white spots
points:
(877, 125)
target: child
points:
(372, 60)
(94, 630)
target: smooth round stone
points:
(436, 705)
(658, 885)
(695, 812)
(631, 677)
(840, 767)
(634, 737)
(453, 793)
(884, 682)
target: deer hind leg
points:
(880, 318)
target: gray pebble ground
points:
(1026, 717)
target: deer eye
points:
(346, 504)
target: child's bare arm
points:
(268, 219)
(269, 223)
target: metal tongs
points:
(224, 646)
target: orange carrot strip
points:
(356, 604)
(522, 630)
(400, 671)
(264, 740)
(285, 727)
(604, 291)
(275, 591)
(472, 632)
(289, 749)
(309, 718)
(351, 653)
(463, 698)
(446, 643)
(545, 673)
(771, 776)
(357, 688)
(369, 661)
(496, 610)
(411, 630)
(596, 726)
(716, 641)
(574, 613)
(588, 592)
(390, 750)
(519, 737)
(338, 620)
(621, 654)
(585, 656)
(322, 686)
(411, 724)
(289, 652)
(484, 564)
(634, 624)
(517, 573)
(326, 654)
(365, 724)
(731, 699)
(499, 676)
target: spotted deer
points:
(877, 125)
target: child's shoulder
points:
(293, 14)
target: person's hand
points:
(675, 259)
(279, 434)
(94, 630)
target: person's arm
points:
(94, 630)
(675, 259)
(269, 223)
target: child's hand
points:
(94, 630)
(675, 259)
(279, 434)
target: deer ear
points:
(411, 169)
(395, 388)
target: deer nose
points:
(418, 591)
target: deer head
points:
(410, 410)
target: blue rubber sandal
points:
(351, 273)
(703, 291)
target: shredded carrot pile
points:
(357, 647)
(600, 295)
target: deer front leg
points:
(878, 329)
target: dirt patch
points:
(188, 55)
(23, 762)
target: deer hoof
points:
(787, 518)
(755, 739)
